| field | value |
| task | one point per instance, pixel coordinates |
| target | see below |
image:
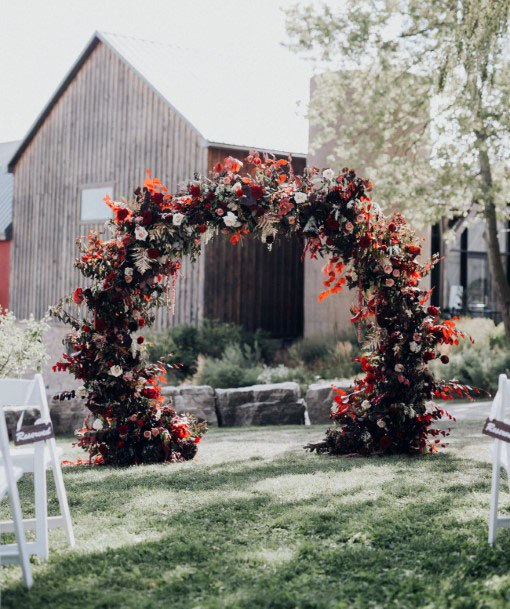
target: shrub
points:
(327, 356)
(237, 367)
(181, 346)
(21, 346)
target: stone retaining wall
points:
(273, 404)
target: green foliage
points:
(21, 344)
(257, 523)
(237, 367)
(181, 346)
(481, 363)
(329, 356)
(415, 93)
(224, 355)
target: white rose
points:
(97, 424)
(116, 371)
(381, 423)
(415, 347)
(365, 404)
(231, 220)
(140, 233)
(300, 197)
(177, 219)
(329, 174)
(399, 368)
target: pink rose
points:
(349, 226)
(388, 268)
(220, 212)
(155, 432)
(390, 283)
(416, 337)
(396, 273)
(147, 435)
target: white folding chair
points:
(18, 396)
(9, 476)
(500, 410)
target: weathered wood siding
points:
(109, 126)
(250, 285)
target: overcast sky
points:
(40, 40)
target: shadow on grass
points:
(309, 532)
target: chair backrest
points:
(500, 408)
(6, 454)
(21, 394)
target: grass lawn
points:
(256, 522)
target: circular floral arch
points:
(129, 276)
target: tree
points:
(420, 91)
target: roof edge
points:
(298, 155)
(68, 78)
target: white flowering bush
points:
(21, 346)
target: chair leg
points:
(41, 510)
(23, 555)
(493, 514)
(62, 499)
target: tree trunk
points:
(496, 268)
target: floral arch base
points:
(389, 409)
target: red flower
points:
(139, 423)
(202, 228)
(78, 297)
(123, 429)
(197, 440)
(140, 340)
(195, 191)
(428, 356)
(385, 442)
(414, 250)
(99, 324)
(86, 328)
(392, 227)
(153, 252)
(257, 192)
(365, 241)
(121, 214)
(332, 224)
(150, 392)
(445, 359)
(434, 311)
(146, 217)
(141, 322)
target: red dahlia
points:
(365, 241)
(385, 442)
(257, 192)
(195, 191)
(121, 214)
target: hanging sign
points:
(29, 434)
(497, 429)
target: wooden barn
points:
(125, 106)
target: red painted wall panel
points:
(5, 264)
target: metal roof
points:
(212, 94)
(7, 149)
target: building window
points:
(467, 280)
(93, 208)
